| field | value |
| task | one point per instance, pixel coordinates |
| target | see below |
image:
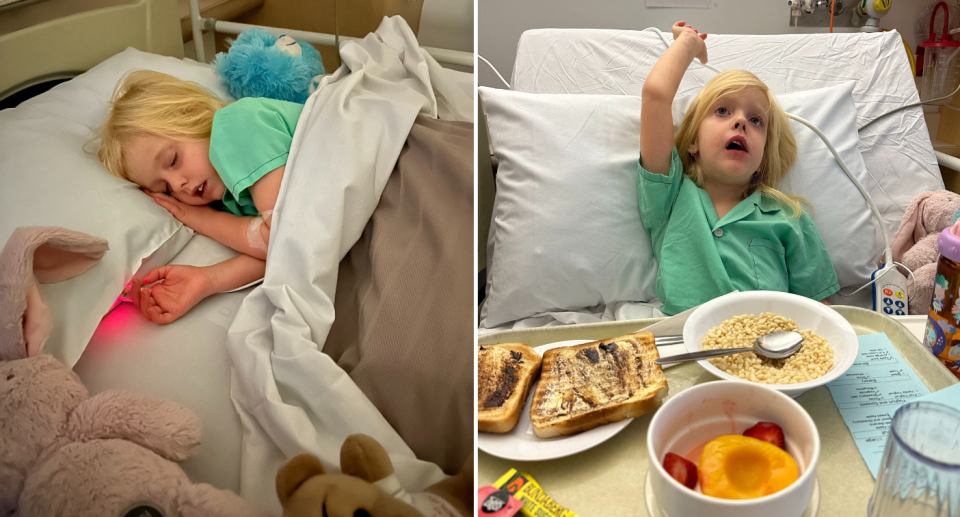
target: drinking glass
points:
(920, 472)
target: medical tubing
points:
(494, 70)
(887, 251)
(894, 110)
(883, 272)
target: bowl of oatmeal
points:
(736, 320)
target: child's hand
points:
(193, 216)
(692, 37)
(182, 288)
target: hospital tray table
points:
(609, 479)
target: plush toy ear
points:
(290, 476)
(57, 261)
(363, 457)
(36, 320)
(47, 254)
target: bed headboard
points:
(68, 46)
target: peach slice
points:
(741, 467)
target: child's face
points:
(731, 138)
(181, 169)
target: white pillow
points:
(50, 180)
(566, 231)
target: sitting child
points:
(708, 194)
(189, 150)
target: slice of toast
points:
(505, 372)
(584, 386)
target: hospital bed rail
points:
(201, 24)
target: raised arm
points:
(656, 142)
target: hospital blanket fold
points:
(293, 398)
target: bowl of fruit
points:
(732, 449)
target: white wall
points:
(447, 24)
(500, 22)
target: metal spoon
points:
(777, 345)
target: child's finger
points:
(165, 318)
(134, 293)
(146, 302)
(703, 36)
(155, 275)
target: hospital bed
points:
(188, 361)
(897, 158)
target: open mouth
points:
(737, 143)
(200, 189)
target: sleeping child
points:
(708, 195)
(214, 166)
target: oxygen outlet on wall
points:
(794, 12)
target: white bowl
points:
(808, 314)
(712, 409)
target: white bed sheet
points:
(291, 397)
(185, 361)
(897, 149)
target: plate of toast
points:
(562, 398)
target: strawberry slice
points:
(681, 469)
(768, 432)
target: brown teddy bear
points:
(63, 452)
(367, 487)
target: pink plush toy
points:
(62, 452)
(915, 244)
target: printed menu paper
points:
(877, 383)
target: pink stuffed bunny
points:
(915, 244)
(62, 453)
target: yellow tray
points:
(608, 480)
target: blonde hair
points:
(780, 149)
(148, 102)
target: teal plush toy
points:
(260, 64)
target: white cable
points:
(887, 250)
(894, 110)
(910, 296)
(882, 273)
(494, 70)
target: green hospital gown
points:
(250, 138)
(754, 246)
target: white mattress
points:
(897, 149)
(185, 361)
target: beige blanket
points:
(404, 302)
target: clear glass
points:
(920, 471)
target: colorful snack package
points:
(495, 502)
(536, 503)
